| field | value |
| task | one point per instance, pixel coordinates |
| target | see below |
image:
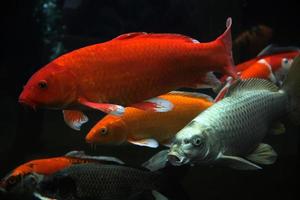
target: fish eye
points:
(42, 84)
(103, 131)
(12, 180)
(197, 141)
(285, 60)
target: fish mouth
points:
(27, 102)
(177, 159)
(2, 190)
(2, 186)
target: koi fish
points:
(126, 71)
(49, 166)
(272, 63)
(231, 131)
(110, 182)
(148, 128)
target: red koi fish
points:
(49, 166)
(126, 71)
(273, 63)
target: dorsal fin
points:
(130, 35)
(75, 154)
(155, 35)
(240, 86)
(191, 94)
(274, 49)
(82, 155)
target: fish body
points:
(273, 63)
(231, 131)
(126, 71)
(138, 126)
(49, 166)
(105, 182)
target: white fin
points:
(82, 155)
(158, 196)
(39, 196)
(272, 49)
(104, 107)
(75, 119)
(168, 145)
(155, 104)
(158, 161)
(191, 94)
(2, 190)
(209, 81)
(277, 128)
(222, 93)
(263, 154)
(237, 163)
(146, 142)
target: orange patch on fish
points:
(146, 127)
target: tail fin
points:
(226, 40)
(291, 86)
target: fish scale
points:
(105, 182)
(235, 128)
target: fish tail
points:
(226, 40)
(291, 86)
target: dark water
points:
(26, 134)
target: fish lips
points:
(27, 102)
(2, 190)
(177, 159)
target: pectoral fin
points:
(277, 128)
(39, 196)
(211, 81)
(238, 163)
(155, 104)
(208, 81)
(222, 93)
(74, 119)
(145, 142)
(82, 155)
(263, 154)
(158, 161)
(104, 107)
(158, 196)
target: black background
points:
(26, 134)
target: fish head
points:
(59, 185)
(21, 183)
(51, 87)
(109, 130)
(190, 145)
(282, 63)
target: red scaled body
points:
(127, 70)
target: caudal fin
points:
(226, 41)
(291, 86)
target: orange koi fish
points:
(273, 63)
(49, 166)
(126, 71)
(148, 128)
